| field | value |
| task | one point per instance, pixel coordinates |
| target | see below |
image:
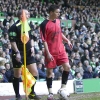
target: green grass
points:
(85, 96)
(93, 98)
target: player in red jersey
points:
(55, 53)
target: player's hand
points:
(32, 51)
(70, 45)
(18, 57)
(50, 57)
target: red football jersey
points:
(51, 33)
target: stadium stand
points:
(85, 35)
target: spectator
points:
(78, 76)
(3, 70)
(42, 74)
(73, 68)
(89, 73)
(85, 56)
(71, 59)
(9, 72)
(7, 53)
(86, 65)
(97, 27)
(37, 57)
(97, 69)
(93, 63)
(79, 68)
(77, 58)
(3, 78)
(6, 20)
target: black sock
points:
(16, 86)
(32, 92)
(49, 82)
(49, 85)
(65, 77)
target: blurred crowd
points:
(85, 36)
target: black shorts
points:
(29, 59)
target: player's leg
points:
(50, 65)
(65, 74)
(64, 61)
(16, 78)
(49, 83)
(32, 67)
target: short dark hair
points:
(76, 73)
(53, 8)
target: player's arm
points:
(14, 47)
(46, 47)
(67, 41)
(48, 54)
(43, 35)
(12, 38)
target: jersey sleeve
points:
(12, 33)
(43, 30)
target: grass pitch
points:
(86, 96)
(94, 98)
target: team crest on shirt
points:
(12, 34)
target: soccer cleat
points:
(18, 97)
(34, 96)
(50, 97)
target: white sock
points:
(50, 90)
(63, 86)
